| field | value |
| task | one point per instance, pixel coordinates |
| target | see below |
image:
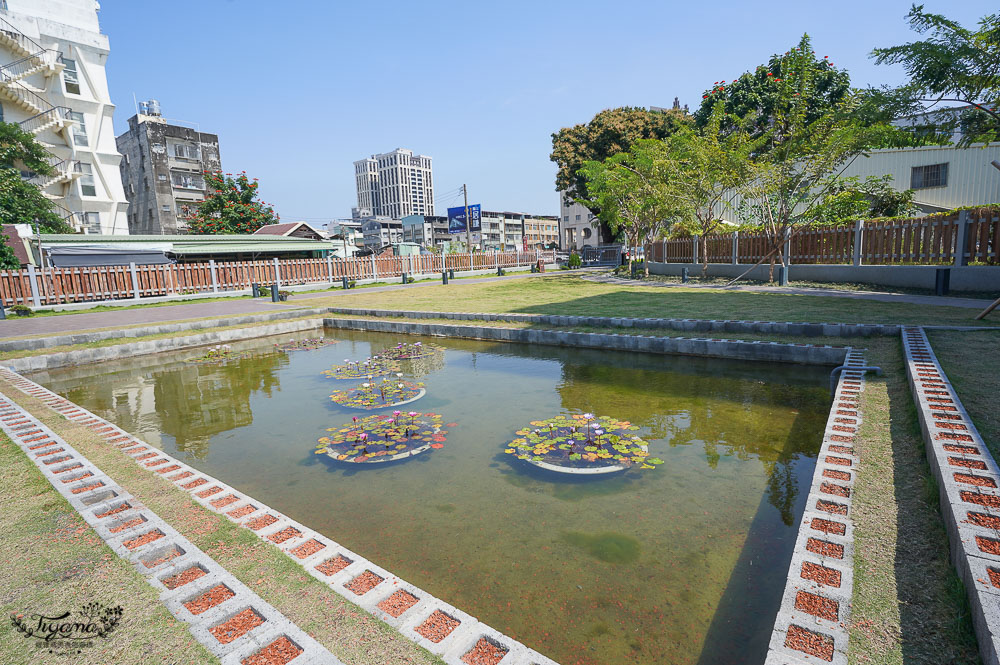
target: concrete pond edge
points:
(156, 550)
(306, 547)
(968, 480)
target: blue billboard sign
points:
(456, 219)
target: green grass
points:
(55, 563)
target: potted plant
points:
(283, 295)
(22, 310)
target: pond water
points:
(680, 564)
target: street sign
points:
(456, 219)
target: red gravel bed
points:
(87, 488)
(838, 490)
(41, 445)
(287, 533)
(841, 438)
(214, 489)
(846, 412)
(220, 593)
(307, 548)
(56, 460)
(278, 652)
(948, 416)
(237, 627)
(831, 507)
(970, 479)
(334, 565)
(942, 407)
(398, 603)
(437, 626)
(127, 525)
(224, 501)
(820, 574)
(986, 521)
(965, 450)
(842, 461)
(80, 477)
(168, 469)
(824, 548)
(842, 428)
(994, 577)
(146, 455)
(951, 426)
(485, 653)
(261, 522)
(114, 511)
(242, 511)
(806, 641)
(181, 476)
(180, 579)
(50, 452)
(838, 475)
(847, 450)
(68, 468)
(172, 554)
(987, 500)
(818, 606)
(364, 583)
(828, 526)
(157, 462)
(967, 463)
(144, 539)
(953, 437)
(197, 482)
(988, 545)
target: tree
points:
(631, 192)
(231, 207)
(704, 168)
(953, 64)
(849, 199)
(610, 132)
(754, 93)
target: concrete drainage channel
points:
(968, 479)
(433, 624)
(237, 628)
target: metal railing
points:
(14, 70)
(45, 117)
(27, 43)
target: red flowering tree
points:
(231, 206)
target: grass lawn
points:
(55, 563)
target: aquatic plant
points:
(580, 441)
(362, 369)
(382, 438)
(218, 354)
(304, 344)
(378, 394)
(409, 351)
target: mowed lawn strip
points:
(349, 632)
(55, 563)
(909, 605)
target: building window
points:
(79, 129)
(87, 186)
(187, 180)
(166, 207)
(91, 221)
(565, 218)
(70, 79)
(578, 218)
(932, 175)
(188, 151)
(161, 177)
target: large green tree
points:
(232, 206)
(951, 65)
(609, 133)
(852, 198)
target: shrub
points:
(22, 310)
(574, 260)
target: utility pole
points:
(468, 222)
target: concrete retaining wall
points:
(964, 278)
(689, 346)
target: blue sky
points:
(298, 90)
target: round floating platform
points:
(582, 471)
(384, 458)
(373, 407)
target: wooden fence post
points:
(135, 280)
(961, 239)
(33, 280)
(215, 278)
(859, 236)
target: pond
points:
(682, 563)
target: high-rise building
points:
(395, 184)
(163, 171)
(53, 84)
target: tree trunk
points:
(704, 255)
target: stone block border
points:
(969, 487)
(168, 561)
(811, 626)
(686, 325)
(690, 346)
(347, 573)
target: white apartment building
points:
(53, 84)
(577, 225)
(395, 184)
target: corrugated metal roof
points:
(251, 247)
(92, 239)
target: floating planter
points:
(219, 354)
(582, 444)
(307, 344)
(380, 394)
(362, 369)
(376, 439)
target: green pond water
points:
(681, 564)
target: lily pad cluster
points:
(383, 438)
(307, 344)
(409, 351)
(219, 353)
(582, 441)
(379, 394)
(362, 369)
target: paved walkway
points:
(88, 320)
(882, 296)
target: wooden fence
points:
(933, 240)
(56, 286)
